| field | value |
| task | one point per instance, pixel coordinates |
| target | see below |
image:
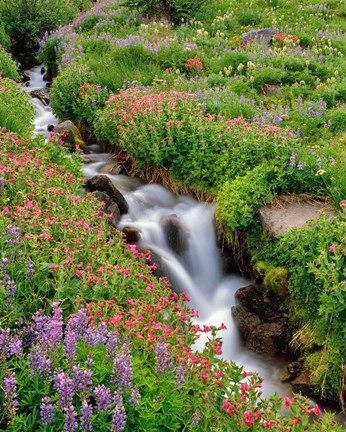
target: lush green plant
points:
(8, 67)
(16, 110)
(65, 89)
(49, 54)
(174, 10)
(4, 39)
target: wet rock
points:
(72, 136)
(87, 159)
(50, 128)
(267, 338)
(112, 168)
(25, 77)
(264, 34)
(42, 94)
(175, 234)
(272, 89)
(290, 372)
(302, 384)
(250, 297)
(43, 70)
(292, 212)
(94, 148)
(110, 206)
(246, 320)
(160, 270)
(132, 234)
(104, 184)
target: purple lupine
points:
(103, 397)
(14, 233)
(70, 416)
(10, 288)
(196, 418)
(9, 345)
(82, 380)
(47, 411)
(39, 361)
(301, 165)
(96, 335)
(180, 375)
(135, 397)
(163, 358)
(10, 390)
(122, 367)
(292, 160)
(2, 184)
(112, 344)
(86, 416)
(65, 388)
(54, 328)
(29, 268)
(118, 418)
(70, 348)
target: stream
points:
(197, 269)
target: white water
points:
(197, 271)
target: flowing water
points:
(196, 270)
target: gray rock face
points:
(103, 183)
(284, 214)
(267, 338)
(247, 321)
(175, 235)
(110, 206)
(249, 297)
(132, 234)
(264, 34)
(111, 168)
(71, 133)
(42, 94)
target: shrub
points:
(65, 89)
(4, 39)
(174, 10)
(16, 110)
(249, 17)
(8, 67)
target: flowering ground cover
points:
(89, 339)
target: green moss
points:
(276, 280)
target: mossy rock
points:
(276, 280)
(70, 135)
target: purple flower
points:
(163, 358)
(86, 416)
(292, 160)
(10, 390)
(103, 397)
(122, 367)
(70, 416)
(39, 361)
(180, 375)
(196, 418)
(135, 397)
(118, 418)
(82, 380)
(14, 235)
(47, 411)
(65, 389)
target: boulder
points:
(110, 206)
(42, 94)
(302, 384)
(103, 183)
(175, 234)
(267, 338)
(132, 234)
(290, 372)
(264, 34)
(50, 128)
(250, 297)
(292, 212)
(71, 134)
(25, 76)
(246, 320)
(111, 168)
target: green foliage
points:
(16, 110)
(27, 20)
(276, 280)
(249, 17)
(65, 89)
(8, 67)
(175, 10)
(49, 54)
(4, 39)
(315, 257)
(338, 120)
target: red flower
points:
(204, 376)
(249, 419)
